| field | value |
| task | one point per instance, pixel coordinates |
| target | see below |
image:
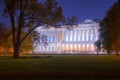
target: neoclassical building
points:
(77, 39)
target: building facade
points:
(76, 39)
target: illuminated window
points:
(58, 48)
(49, 48)
(92, 47)
(79, 47)
(64, 48)
(83, 47)
(58, 38)
(40, 47)
(49, 38)
(71, 47)
(87, 47)
(67, 47)
(53, 48)
(75, 47)
(53, 39)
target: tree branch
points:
(27, 34)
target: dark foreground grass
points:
(60, 67)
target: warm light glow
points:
(71, 48)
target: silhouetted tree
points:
(98, 46)
(97, 20)
(5, 38)
(27, 44)
(110, 29)
(70, 22)
(28, 15)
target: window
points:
(53, 39)
(58, 48)
(58, 38)
(49, 48)
(49, 38)
(53, 48)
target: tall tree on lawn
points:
(28, 15)
(110, 29)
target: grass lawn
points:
(60, 67)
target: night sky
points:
(83, 9)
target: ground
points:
(60, 67)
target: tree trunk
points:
(18, 37)
(97, 52)
(117, 53)
(16, 52)
(109, 52)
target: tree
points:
(70, 22)
(27, 44)
(110, 29)
(98, 46)
(28, 15)
(2, 29)
(5, 40)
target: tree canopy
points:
(110, 29)
(29, 14)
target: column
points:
(64, 36)
(73, 36)
(76, 35)
(82, 36)
(89, 35)
(76, 40)
(94, 36)
(73, 40)
(70, 36)
(85, 35)
(69, 41)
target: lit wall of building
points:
(80, 38)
